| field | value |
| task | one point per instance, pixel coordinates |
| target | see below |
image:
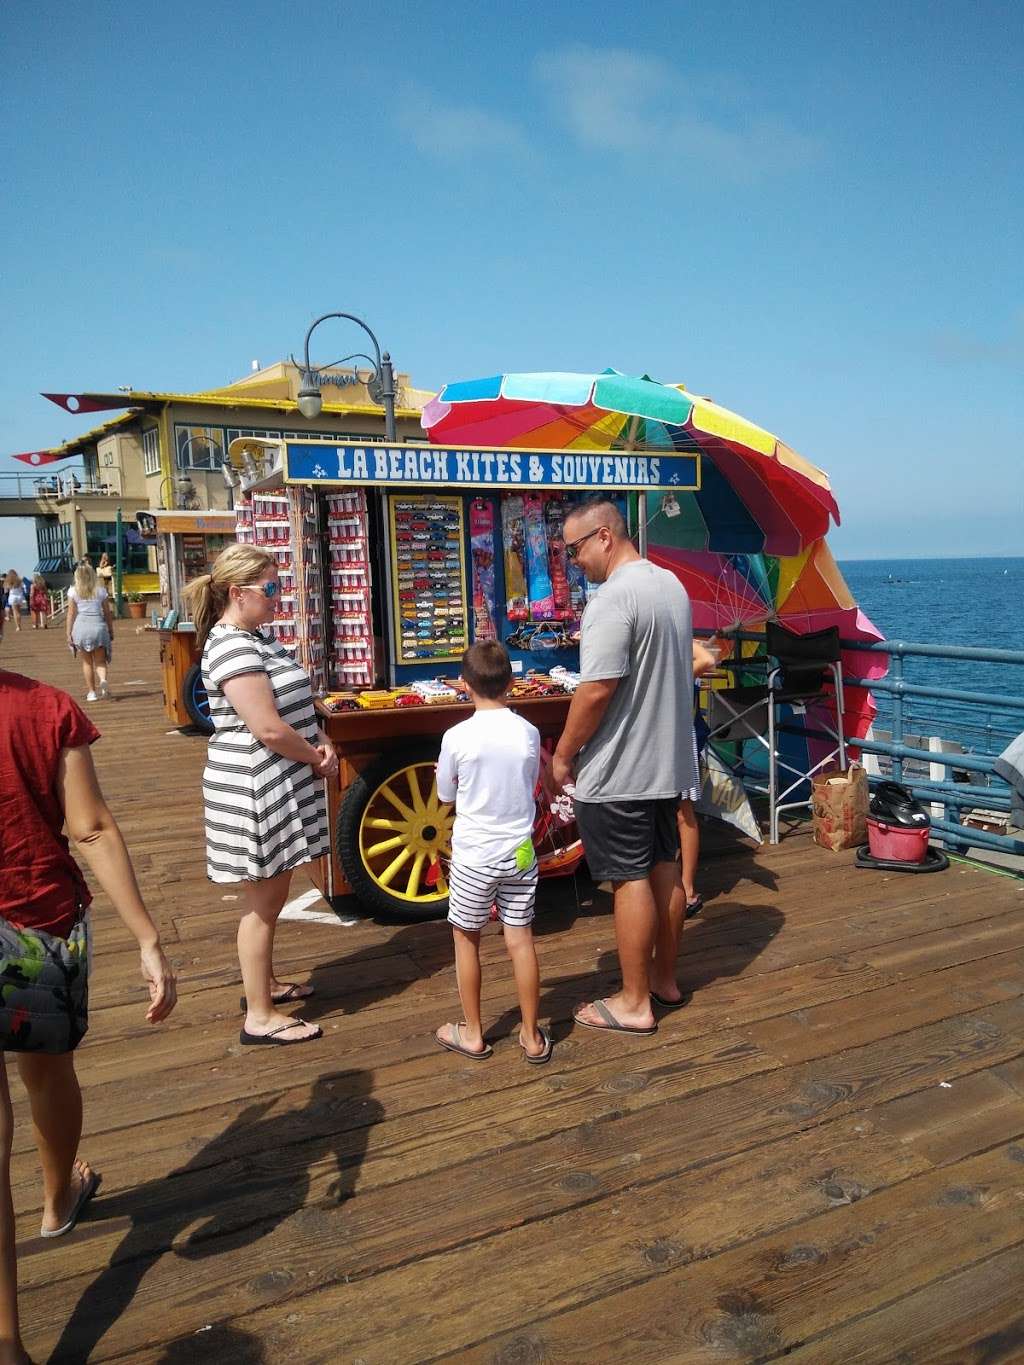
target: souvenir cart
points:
(186, 545)
(393, 559)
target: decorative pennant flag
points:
(85, 402)
(38, 457)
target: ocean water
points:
(972, 602)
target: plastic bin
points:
(897, 843)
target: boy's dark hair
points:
(487, 669)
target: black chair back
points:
(805, 660)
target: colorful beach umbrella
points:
(756, 495)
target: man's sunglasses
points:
(572, 547)
(269, 589)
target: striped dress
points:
(264, 813)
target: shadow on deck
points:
(821, 1157)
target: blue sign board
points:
(487, 467)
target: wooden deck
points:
(822, 1157)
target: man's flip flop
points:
(457, 1045)
(664, 1004)
(544, 1056)
(272, 1040)
(611, 1024)
(86, 1191)
(293, 992)
(694, 907)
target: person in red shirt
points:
(47, 782)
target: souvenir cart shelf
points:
(395, 559)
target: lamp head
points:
(310, 399)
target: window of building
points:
(151, 450)
(91, 465)
(199, 447)
(101, 538)
(53, 541)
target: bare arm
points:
(108, 616)
(586, 711)
(703, 659)
(253, 698)
(95, 831)
(72, 613)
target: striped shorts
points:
(473, 890)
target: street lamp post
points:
(381, 384)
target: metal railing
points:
(53, 488)
(976, 724)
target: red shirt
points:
(41, 885)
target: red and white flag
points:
(38, 457)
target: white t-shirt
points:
(489, 766)
(89, 608)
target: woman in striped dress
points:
(263, 788)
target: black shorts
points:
(624, 839)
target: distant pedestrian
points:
(48, 784)
(630, 735)
(15, 597)
(90, 630)
(489, 767)
(39, 601)
(105, 573)
(265, 806)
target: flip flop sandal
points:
(664, 1004)
(458, 1046)
(611, 1024)
(86, 1191)
(541, 1057)
(293, 993)
(694, 907)
(272, 1040)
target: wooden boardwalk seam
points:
(821, 1158)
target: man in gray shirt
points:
(629, 734)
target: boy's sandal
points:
(455, 1044)
(541, 1057)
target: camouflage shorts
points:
(44, 989)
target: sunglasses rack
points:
(351, 660)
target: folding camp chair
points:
(800, 668)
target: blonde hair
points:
(206, 597)
(38, 581)
(12, 578)
(85, 581)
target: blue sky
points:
(810, 212)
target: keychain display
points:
(538, 575)
(517, 607)
(481, 541)
(429, 578)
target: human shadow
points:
(223, 1342)
(236, 1190)
(416, 952)
(721, 946)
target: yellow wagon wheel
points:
(394, 836)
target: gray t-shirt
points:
(638, 628)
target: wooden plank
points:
(972, 1317)
(447, 1304)
(762, 1299)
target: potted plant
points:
(136, 605)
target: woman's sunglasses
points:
(269, 589)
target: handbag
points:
(44, 988)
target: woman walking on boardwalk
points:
(39, 601)
(91, 630)
(263, 791)
(47, 781)
(15, 596)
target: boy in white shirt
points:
(489, 767)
